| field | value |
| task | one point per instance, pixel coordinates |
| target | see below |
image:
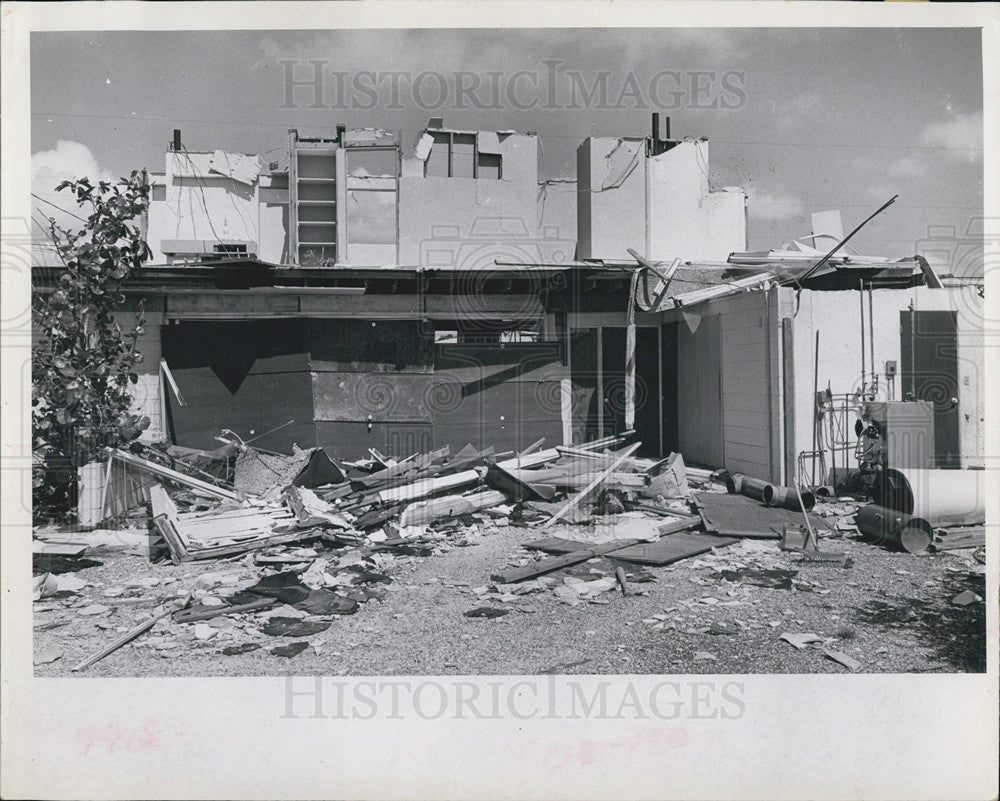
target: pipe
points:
(812, 473)
(861, 296)
(738, 483)
(787, 498)
(941, 497)
(889, 526)
(871, 337)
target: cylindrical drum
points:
(895, 528)
(753, 488)
(941, 497)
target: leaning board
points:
(671, 548)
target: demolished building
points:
(408, 299)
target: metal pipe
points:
(871, 337)
(787, 498)
(941, 497)
(751, 487)
(894, 528)
(861, 297)
(812, 474)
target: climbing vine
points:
(83, 360)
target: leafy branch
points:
(84, 362)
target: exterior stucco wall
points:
(837, 316)
(467, 221)
(686, 219)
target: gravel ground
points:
(892, 612)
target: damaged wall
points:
(465, 221)
(349, 385)
(611, 198)
(837, 316)
(201, 200)
(687, 219)
(370, 385)
(659, 205)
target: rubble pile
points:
(269, 550)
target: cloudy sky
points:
(805, 120)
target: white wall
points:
(837, 316)
(454, 221)
(686, 219)
(611, 198)
(201, 206)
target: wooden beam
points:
(576, 499)
(173, 475)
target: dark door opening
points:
(929, 371)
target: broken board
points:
(739, 516)
(665, 551)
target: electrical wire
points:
(60, 208)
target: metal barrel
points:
(892, 527)
(941, 497)
(753, 488)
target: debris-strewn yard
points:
(725, 611)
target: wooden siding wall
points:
(728, 374)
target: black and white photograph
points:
(425, 370)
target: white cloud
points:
(804, 108)
(774, 206)
(68, 160)
(962, 135)
(907, 167)
(881, 191)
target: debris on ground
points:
(270, 546)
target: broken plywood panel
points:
(739, 516)
(671, 548)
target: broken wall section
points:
(204, 204)
(660, 205)
(469, 198)
(687, 219)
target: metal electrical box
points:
(906, 431)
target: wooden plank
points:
(134, 632)
(510, 484)
(576, 499)
(559, 562)
(449, 506)
(173, 475)
(672, 549)
(424, 487)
